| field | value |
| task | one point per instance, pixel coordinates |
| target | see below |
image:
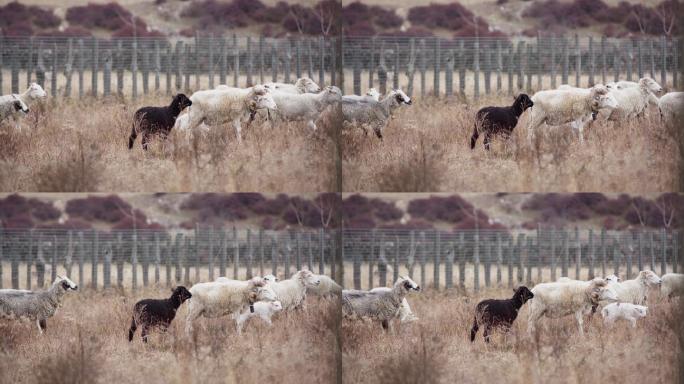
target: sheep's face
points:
(651, 85)
(182, 101)
(332, 94)
(66, 283)
(603, 100)
(408, 284)
(182, 293)
(270, 279)
(309, 279)
(401, 97)
(265, 293)
(612, 279)
(649, 278)
(640, 311)
(35, 91)
(374, 94)
(263, 101)
(524, 101)
(603, 294)
(307, 85)
(276, 306)
(524, 293)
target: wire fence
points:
(361, 259)
(427, 66)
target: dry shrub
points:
(74, 171)
(422, 362)
(419, 170)
(74, 364)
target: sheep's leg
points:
(238, 129)
(145, 140)
(378, 131)
(473, 331)
(385, 325)
(487, 332)
(193, 314)
(535, 121)
(131, 331)
(144, 332)
(580, 322)
(312, 125)
(42, 325)
(133, 136)
(487, 140)
(473, 138)
(633, 322)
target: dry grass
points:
(70, 146)
(426, 148)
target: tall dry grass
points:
(426, 149)
(81, 145)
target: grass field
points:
(86, 342)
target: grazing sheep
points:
(10, 107)
(499, 120)
(35, 306)
(626, 311)
(301, 86)
(563, 106)
(305, 106)
(292, 292)
(499, 313)
(635, 291)
(564, 298)
(327, 287)
(33, 93)
(405, 314)
(156, 120)
(373, 113)
(633, 100)
(226, 105)
(264, 309)
(225, 297)
(371, 95)
(378, 306)
(149, 313)
(671, 106)
(672, 285)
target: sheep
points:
(10, 107)
(563, 298)
(374, 113)
(264, 309)
(671, 106)
(613, 278)
(292, 292)
(225, 297)
(306, 106)
(150, 120)
(301, 86)
(156, 313)
(33, 93)
(35, 306)
(499, 313)
(495, 120)
(562, 106)
(271, 278)
(633, 100)
(327, 287)
(371, 95)
(405, 314)
(672, 285)
(378, 306)
(627, 311)
(634, 291)
(226, 105)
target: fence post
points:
(288, 60)
(476, 261)
(210, 65)
(107, 267)
(592, 254)
(449, 265)
(145, 70)
(578, 62)
(274, 257)
(675, 252)
(298, 249)
(210, 238)
(382, 263)
(511, 64)
(286, 262)
(177, 256)
(663, 67)
(616, 258)
(145, 263)
(261, 60)
(529, 249)
(236, 62)
(652, 250)
(40, 263)
(382, 70)
(356, 72)
(298, 61)
(321, 68)
(675, 64)
(134, 69)
(321, 261)
(437, 259)
(521, 73)
(2, 51)
(95, 255)
(187, 255)
(499, 258)
(663, 250)
(81, 66)
(565, 261)
(395, 75)
(578, 254)
(134, 260)
(476, 69)
(488, 70)
(157, 257)
(274, 63)
(519, 257)
(395, 263)
(538, 67)
(629, 54)
(68, 259)
(423, 257)
(499, 65)
(603, 60)
(488, 261)
(538, 253)
(461, 68)
(528, 68)
(236, 254)
(107, 76)
(356, 267)
(29, 260)
(436, 67)
(423, 69)
(53, 262)
(157, 66)
(566, 62)
(119, 69)
(628, 240)
(223, 69)
(262, 254)
(250, 62)
(449, 73)
(53, 73)
(616, 62)
(554, 262)
(40, 69)
(640, 67)
(411, 66)
(461, 260)
(250, 253)
(187, 68)
(651, 52)
(223, 258)
(592, 63)
(196, 61)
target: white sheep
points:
(305, 106)
(375, 114)
(613, 278)
(33, 93)
(225, 297)
(327, 287)
(671, 106)
(263, 309)
(626, 311)
(635, 291)
(226, 105)
(563, 298)
(12, 106)
(633, 100)
(405, 314)
(371, 95)
(672, 285)
(302, 85)
(568, 105)
(292, 292)
(382, 306)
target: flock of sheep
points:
(264, 297)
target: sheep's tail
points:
(473, 331)
(473, 139)
(131, 331)
(131, 139)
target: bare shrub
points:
(74, 171)
(73, 363)
(419, 170)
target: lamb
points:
(301, 86)
(371, 95)
(10, 107)
(563, 106)
(633, 100)
(374, 113)
(626, 311)
(226, 105)
(671, 106)
(499, 120)
(264, 309)
(306, 106)
(672, 285)
(35, 306)
(499, 313)
(292, 292)
(225, 297)
(30, 95)
(405, 314)
(613, 278)
(564, 298)
(635, 291)
(327, 287)
(149, 313)
(378, 306)
(157, 120)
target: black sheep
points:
(156, 313)
(499, 120)
(151, 120)
(499, 313)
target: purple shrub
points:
(108, 209)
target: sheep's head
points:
(650, 84)
(602, 99)
(181, 101)
(181, 293)
(522, 102)
(401, 97)
(65, 283)
(523, 293)
(308, 279)
(332, 94)
(640, 310)
(407, 284)
(599, 291)
(613, 279)
(270, 279)
(261, 101)
(35, 91)
(306, 85)
(276, 306)
(649, 278)
(374, 94)
(20, 106)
